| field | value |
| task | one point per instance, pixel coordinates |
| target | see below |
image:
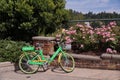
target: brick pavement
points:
(7, 73)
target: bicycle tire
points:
(66, 62)
(25, 67)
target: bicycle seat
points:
(28, 48)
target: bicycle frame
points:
(43, 59)
(55, 54)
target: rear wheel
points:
(24, 63)
(66, 62)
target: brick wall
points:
(103, 64)
(98, 62)
(48, 45)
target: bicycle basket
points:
(66, 46)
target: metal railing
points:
(91, 20)
(67, 24)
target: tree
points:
(22, 19)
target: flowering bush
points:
(105, 39)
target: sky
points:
(94, 6)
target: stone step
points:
(5, 64)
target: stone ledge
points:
(5, 64)
(97, 58)
(43, 38)
(110, 56)
(86, 57)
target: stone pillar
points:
(48, 44)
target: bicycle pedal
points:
(45, 66)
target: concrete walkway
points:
(7, 73)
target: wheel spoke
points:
(67, 62)
(25, 66)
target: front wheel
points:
(24, 63)
(66, 62)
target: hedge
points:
(11, 50)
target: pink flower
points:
(98, 33)
(109, 50)
(109, 28)
(68, 41)
(91, 32)
(68, 32)
(81, 46)
(112, 34)
(102, 30)
(103, 26)
(79, 25)
(107, 35)
(104, 36)
(113, 23)
(107, 40)
(112, 39)
(71, 28)
(67, 37)
(83, 37)
(82, 29)
(73, 32)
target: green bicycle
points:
(32, 59)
